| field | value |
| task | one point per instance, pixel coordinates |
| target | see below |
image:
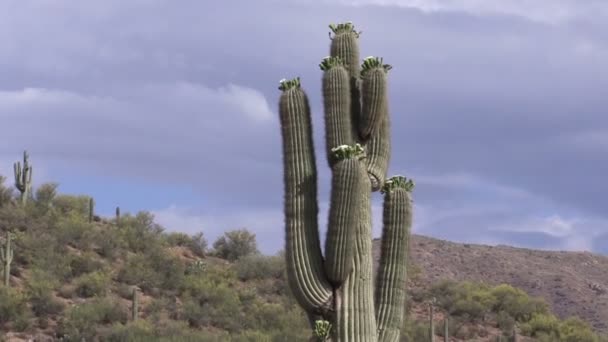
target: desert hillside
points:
(572, 283)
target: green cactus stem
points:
(446, 329)
(91, 209)
(117, 215)
(432, 320)
(134, 304)
(337, 105)
(23, 178)
(6, 256)
(338, 287)
(373, 87)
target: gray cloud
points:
(497, 110)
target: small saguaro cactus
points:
(432, 320)
(446, 328)
(117, 215)
(23, 178)
(91, 209)
(337, 287)
(6, 256)
(134, 305)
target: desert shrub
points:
(156, 269)
(235, 244)
(6, 192)
(177, 239)
(84, 263)
(541, 324)
(198, 244)
(39, 288)
(72, 205)
(414, 331)
(575, 330)
(505, 322)
(110, 244)
(140, 233)
(13, 305)
(210, 302)
(74, 231)
(92, 284)
(517, 303)
(251, 336)
(82, 321)
(44, 197)
(258, 266)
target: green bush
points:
(235, 244)
(82, 321)
(75, 231)
(92, 284)
(13, 305)
(575, 330)
(140, 233)
(156, 269)
(39, 287)
(517, 303)
(6, 193)
(258, 266)
(211, 302)
(67, 205)
(85, 263)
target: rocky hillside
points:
(573, 283)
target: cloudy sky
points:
(498, 109)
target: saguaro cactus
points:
(91, 209)
(23, 178)
(337, 287)
(6, 256)
(432, 320)
(117, 215)
(446, 329)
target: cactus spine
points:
(6, 256)
(23, 178)
(134, 305)
(338, 288)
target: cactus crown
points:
(396, 182)
(293, 83)
(330, 62)
(347, 152)
(372, 62)
(346, 27)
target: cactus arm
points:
(348, 186)
(392, 271)
(345, 46)
(337, 106)
(305, 270)
(373, 96)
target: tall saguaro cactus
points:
(337, 287)
(23, 177)
(6, 256)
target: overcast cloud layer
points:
(498, 109)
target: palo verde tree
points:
(337, 288)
